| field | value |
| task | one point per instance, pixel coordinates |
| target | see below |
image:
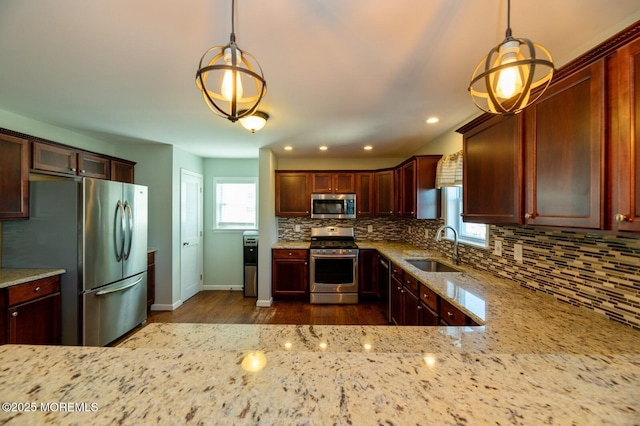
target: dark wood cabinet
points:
(290, 274)
(364, 194)
(493, 172)
(426, 316)
(384, 187)
(396, 296)
(32, 312)
(93, 166)
(416, 193)
(14, 177)
(564, 161)
(410, 307)
(293, 196)
(54, 158)
(151, 279)
(333, 183)
(368, 274)
(122, 171)
(624, 120)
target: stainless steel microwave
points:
(333, 206)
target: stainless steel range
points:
(334, 265)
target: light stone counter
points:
(534, 361)
(10, 276)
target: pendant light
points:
(255, 121)
(231, 80)
(504, 80)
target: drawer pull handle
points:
(449, 313)
(37, 289)
(15, 314)
(426, 296)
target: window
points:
(475, 234)
(236, 203)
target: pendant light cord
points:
(233, 19)
(508, 33)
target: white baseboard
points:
(265, 303)
(166, 307)
(221, 288)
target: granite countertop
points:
(534, 361)
(11, 276)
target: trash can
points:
(250, 249)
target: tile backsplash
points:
(594, 271)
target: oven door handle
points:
(334, 256)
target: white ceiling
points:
(343, 73)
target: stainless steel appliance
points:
(250, 250)
(333, 206)
(333, 257)
(97, 231)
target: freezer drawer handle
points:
(115, 290)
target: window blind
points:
(449, 170)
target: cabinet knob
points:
(37, 289)
(426, 296)
(72, 169)
(290, 253)
(529, 215)
(402, 291)
(408, 281)
(621, 218)
(83, 171)
(419, 307)
(14, 314)
(400, 288)
(450, 314)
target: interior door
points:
(191, 233)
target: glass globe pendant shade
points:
(504, 80)
(255, 121)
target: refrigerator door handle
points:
(129, 213)
(116, 290)
(119, 247)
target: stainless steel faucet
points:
(454, 256)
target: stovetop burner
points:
(333, 244)
(333, 238)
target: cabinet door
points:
(36, 322)
(492, 190)
(426, 316)
(14, 177)
(292, 194)
(321, 183)
(93, 166)
(625, 124)
(427, 197)
(564, 139)
(122, 172)
(408, 178)
(151, 279)
(410, 307)
(344, 183)
(384, 193)
(397, 302)
(290, 274)
(53, 158)
(368, 273)
(364, 194)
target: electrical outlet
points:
(517, 252)
(426, 233)
(497, 248)
(296, 228)
(409, 229)
(370, 228)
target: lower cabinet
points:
(32, 313)
(368, 274)
(151, 279)
(290, 274)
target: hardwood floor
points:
(231, 307)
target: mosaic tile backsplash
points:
(593, 271)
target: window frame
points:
(452, 209)
(229, 226)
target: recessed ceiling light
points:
(368, 148)
(432, 120)
(323, 148)
(288, 148)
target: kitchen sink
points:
(430, 265)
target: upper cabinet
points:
(493, 159)
(624, 101)
(364, 194)
(293, 195)
(384, 189)
(333, 183)
(14, 177)
(564, 160)
(416, 193)
(69, 161)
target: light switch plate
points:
(426, 233)
(296, 228)
(517, 252)
(497, 248)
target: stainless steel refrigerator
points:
(97, 231)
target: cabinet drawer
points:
(290, 254)
(411, 283)
(32, 290)
(450, 314)
(429, 297)
(397, 273)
